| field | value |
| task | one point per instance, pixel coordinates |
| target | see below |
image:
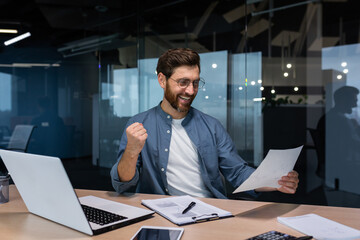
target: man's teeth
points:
(185, 98)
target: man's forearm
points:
(127, 166)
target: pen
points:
(304, 238)
(191, 205)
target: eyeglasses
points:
(184, 82)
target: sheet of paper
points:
(172, 208)
(276, 164)
(320, 227)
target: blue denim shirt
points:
(217, 153)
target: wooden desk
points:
(251, 218)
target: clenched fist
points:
(136, 135)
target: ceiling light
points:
(345, 70)
(253, 83)
(286, 74)
(272, 91)
(90, 44)
(261, 88)
(339, 77)
(29, 65)
(288, 65)
(259, 81)
(16, 39)
(296, 89)
(6, 65)
(344, 64)
(214, 65)
(8, 31)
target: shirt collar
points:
(165, 115)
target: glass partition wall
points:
(279, 74)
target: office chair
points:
(20, 138)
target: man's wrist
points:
(131, 154)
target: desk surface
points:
(250, 218)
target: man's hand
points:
(136, 135)
(289, 183)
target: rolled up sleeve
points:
(121, 187)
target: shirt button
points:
(166, 149)
(162, 169)
(168, 131)
(168, 116)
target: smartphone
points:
(158, 233)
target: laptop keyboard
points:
(99, 216)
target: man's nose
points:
(190, 89)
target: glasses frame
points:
(201, 82)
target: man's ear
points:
(162, 80)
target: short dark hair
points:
(342, 94)
(177, 57)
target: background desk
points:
(251, 218)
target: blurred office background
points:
(271, 68)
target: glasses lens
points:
(183, 83)
(196, 84)
(201, 83)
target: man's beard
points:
(173, 100)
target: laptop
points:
(47, 192)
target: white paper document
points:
(172, 208)
(276, 164)
(320, 227)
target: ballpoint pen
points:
(304, 238)
(191, 205)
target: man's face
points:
(181, 98)
(351, 102)
(354, 101)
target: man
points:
(176, 149)
(339, 136)
(345, 99)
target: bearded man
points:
(175, 149)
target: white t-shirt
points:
(183, 170)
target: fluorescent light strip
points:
(90, 46)
(8, 31)
(6, 65)
(16, 39)
(29, 65)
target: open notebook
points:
(172, 209)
